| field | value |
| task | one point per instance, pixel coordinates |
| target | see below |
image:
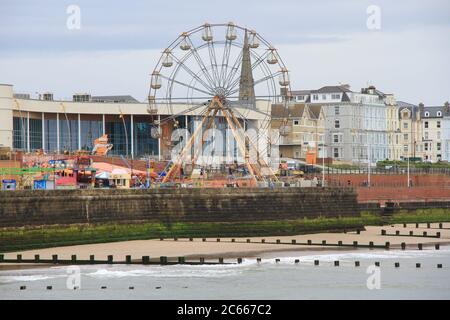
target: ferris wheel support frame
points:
(214, 107)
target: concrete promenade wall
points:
(389, 180)
(403, 194)
(44, 207)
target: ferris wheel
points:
(218, 71)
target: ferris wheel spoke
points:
(268, 77)
(239, 105)
(234, 70)
(191, 109)
(225, 60)
(185, 84)
(258, 61)
(192, 73)
(200, 62)
(212, 58)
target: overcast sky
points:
(321, 42)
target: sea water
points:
(249, 280)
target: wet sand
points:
(227, 249)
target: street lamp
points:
(121, 116)
(322, 145)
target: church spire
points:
(246, 83)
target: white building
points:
(356, 122)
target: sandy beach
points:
(211, 249)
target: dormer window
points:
(439, 114)
(427, 114)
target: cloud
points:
(321, 42)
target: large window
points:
(336, 110)
(115, 128)
(20, 133)
(336, 152)
(68, 132)
(35, 132)
(50, 133)
(144, 144)
(91, 127)
(335, 138)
